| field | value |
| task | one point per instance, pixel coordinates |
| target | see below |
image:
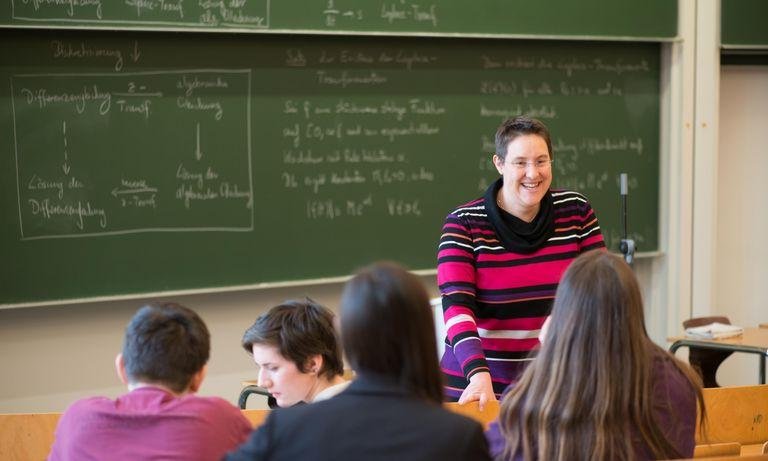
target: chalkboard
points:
(656, 19)
(141, 163)
(744, 24)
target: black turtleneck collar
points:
(515, 234)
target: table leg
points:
(762, 369)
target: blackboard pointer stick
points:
(627, 245)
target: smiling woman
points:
(500, 260)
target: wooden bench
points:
(735, 414)
(471, 410)
(29, 436)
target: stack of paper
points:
(714, 331)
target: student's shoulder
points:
(211, 402)
(669, 378)
(89, 404)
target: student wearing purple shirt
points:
(163, 363)
(599, 388)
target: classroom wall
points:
(742, 269)
(51, 356)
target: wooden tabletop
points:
(754, 337)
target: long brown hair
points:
(587, 395)
(387, 329)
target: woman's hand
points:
(480, 388)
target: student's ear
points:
(314, 364)
(120, 368)
(197, 379)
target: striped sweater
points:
(495, 300)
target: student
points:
(163, 363)
(500, 259)
(295, 348)
(392, 410)
(599, 389)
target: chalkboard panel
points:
(656, 19)
(744, 24)
(138, 163)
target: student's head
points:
(387, 329)
(591, 380)
(598, 297)
(165, 344)
(294, 344)
(513, 128)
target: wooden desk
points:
(753, 341)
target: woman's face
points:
(280, 376)
(525, 182)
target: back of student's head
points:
(591, 381)
(387, 329)
(165, 344)
(298, 329)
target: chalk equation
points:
(132, 152)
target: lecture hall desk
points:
(753, 341)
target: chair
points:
(706, 361)
(250, 387)
(440, 330)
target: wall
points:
(742, 269)
(50, 356)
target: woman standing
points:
(500, 259)
(599, 387)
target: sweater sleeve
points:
(590, 237)
(456, 279)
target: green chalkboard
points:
(139, 163)
(656, 19)
(744, 24)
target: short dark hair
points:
(298, 329)
(387, 328)
(512, 128)
(165, 343)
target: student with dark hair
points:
(163, 363)
(499, 261)
(599, 388)
(392, 410)
(295, 348)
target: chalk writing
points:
(207, 13)
(79, 211)
(128, 155)
(84, 50)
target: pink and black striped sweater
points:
(495, 298)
